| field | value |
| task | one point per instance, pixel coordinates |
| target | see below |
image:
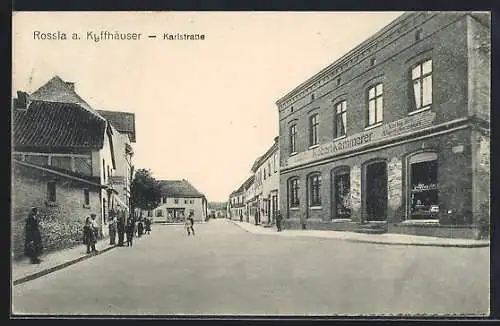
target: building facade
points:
(266, 184)
(394, 133)
(179, 199)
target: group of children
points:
(143, 227)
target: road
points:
(226, 270)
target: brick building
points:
(179, 199)
(394, 135)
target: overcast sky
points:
(205, 110)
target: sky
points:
(205, 109)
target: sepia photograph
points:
(250, 163)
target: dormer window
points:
(418, 35)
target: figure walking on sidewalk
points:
(112, 229)
(130, 232)
(148, 226)
(120, 226)
(89, 237)
(33, 240)
(278, 220)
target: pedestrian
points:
(120, 226)
(190, 224)
(112, 225)
(140, 228)
(278, 220)
(130, 231)
(148, 226)
(33, 237)
(89, 238)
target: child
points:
(190, 224)
(89, 237)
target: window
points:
(424, 187)
(372, 61)
(375, 104)
(418, 35)
(18, 157)
(104, 170)
(291, 109)
(176, 201)
(191, 201)
(159, 213)
(312, 97)
(265, 174)
(293, 191)
(268, 168)
(51, 191)
(276, 162)
(164, 199)
(37, 159)
(86, 197)
(314, 190)
(293, 138)
(421, 76)
(61, 162)
(338, 81)
(185, 201)
(340, 119)
(313, 129)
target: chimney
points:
(22, 101)
(71, 85)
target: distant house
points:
(179, 199)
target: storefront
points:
(424, 181)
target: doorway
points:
(376, 191)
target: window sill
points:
(313, 146)
(293, 153)
(378, 124)
(315, 207)
(51, 203)
(294, 208)
(420, 222)
(340, 137)
(86, 206)
(420, 110)
(340, 220)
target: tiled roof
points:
(57, 125)
(124, 122)
(179, 188)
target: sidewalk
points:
(24, 271)
(386, 238)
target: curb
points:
(443, 245)
(44, 272)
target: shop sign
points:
(424, 187)
(359, 140)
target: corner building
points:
(395, 134)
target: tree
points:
(145, 190)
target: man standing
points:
(33, 240)
(120, 226)
(112, 229)
(95, 227)
(278, 220)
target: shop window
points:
(342, 193)
(293, 191)
(421, 76)
(375, 104)
(424, 187)
(313, 129)
(293, 138)
(340, 119)
(314, 186)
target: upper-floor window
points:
(185, 201)
(276, 162)
(293, 138)
(418, 35)
(293, 192)
(176, 201)
(312, 97)
(164, 199)
(313, 129)
(269, 168)
(314, 190)
(421, 76)
(265, 174)
(340, 119)
(375, 104)
(104, 170)
(51, 191)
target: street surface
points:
(226, 270)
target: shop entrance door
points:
(376, 191)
